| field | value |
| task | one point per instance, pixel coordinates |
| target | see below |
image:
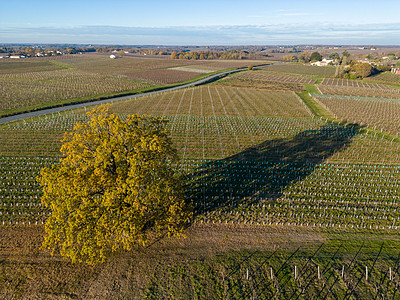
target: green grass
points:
(247, 273)
(213, 262)
(314, 107)
(60, 64)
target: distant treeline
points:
(235, 54)
(121, 51)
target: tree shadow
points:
(264, 171)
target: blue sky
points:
(201, 22)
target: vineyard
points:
(329, 271)
(354, 83)
(335, 86)
(382, 114)
(163, 71)
(386, 77)
(249, 156)
(303, 69)
(26, 90)
(12, 67)
(267, 80)
(41, 82)
(256, 162)
(274, 76)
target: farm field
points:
(40, 82)
(386, 77)
(267, 80)
(328, 71)
(337, 86)
(11, 67)
(151, 70)
(33, 89)
(274, 76)
(270, 163)
(286, 204)
(378, 113)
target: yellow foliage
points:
(115, 186)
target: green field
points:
(278, 194)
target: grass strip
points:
(314, 107)
(60, 65)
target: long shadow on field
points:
(263, 172)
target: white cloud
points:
(295, 14)
(312, 33)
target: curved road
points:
(73, 106)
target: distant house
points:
(113, 56)
(364, 61)
(324, 62)
(396, 71)
(17, 56)
(39, 54)
(6, 56)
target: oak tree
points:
(362, 70)
(115, 188)
(316, 56)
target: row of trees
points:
(49, 51)
(359, 70)
(234, 54)
(306, 57)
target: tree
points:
(114, 188)
(29, 51)
(304, 57)
(334, 56)
(316, 56)
(346, 54)
(362, 69)
(289, 57)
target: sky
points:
(206, 22)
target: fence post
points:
(366, 273)
(319, 274)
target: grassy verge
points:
(213, 262)
(315, 108)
